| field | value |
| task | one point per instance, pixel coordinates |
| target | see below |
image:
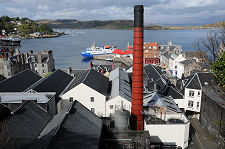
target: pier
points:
(125, 60)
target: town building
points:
(186, 68)
(13, 100)
(19, 82)
(199, 56)
(23, 126)
(90, 89)
(167, 125)
(120, 94)
(56, 82)
(73, 127)
(151, 53)
(42, 63)
(170, 47)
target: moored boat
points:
(90, 52)
(10, 41)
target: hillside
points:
(118, 24)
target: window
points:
(154, 55)
(198, 93)
(43, 71)
(146, 51)
(43, 65)
(149, 48)
(143, 47)
(35, 65)
(111, 106)
(197, 105)
(93, 110)
(175, 67)
(71, 99)
(155, 51)
(92, 99)
(191, 93)
(190, 103)
(154, 47)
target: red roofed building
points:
(151, 53)
(122, 53)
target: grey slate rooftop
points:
(55, 82)
(185, 62)
(19, 82)
(74, 127)
(92, 79)
(154, 98)
(4, 112)
(23, 126)
(173, 92)
(2, 77)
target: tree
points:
(218, 69)
(212, 44)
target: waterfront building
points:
(199, 56)
(170, 47)
(42, 63)
(151, 53)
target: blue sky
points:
(156, 11)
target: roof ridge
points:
(190, 80)
(199, 81)
(40, 81)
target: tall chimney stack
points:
(137, 76)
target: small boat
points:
(90, 52)
(10, 41)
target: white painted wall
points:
(181, 103)
(177, 133)
(180, 70)
(116, 102)
(196, 98)
(83, 93)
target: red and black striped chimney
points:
(137, 76)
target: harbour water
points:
(67, 49)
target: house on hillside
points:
(185, 68)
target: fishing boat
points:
(90, 52)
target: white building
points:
(165, 122)
(90, 89)
(192, 89)
(120, 92)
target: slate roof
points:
(92, 79)
(173, 92)
(186, 62)
(55, 82)
(19, 82)
(197, 54)
(154, 98)
(2, 77)
(118, 73)
(121, 88)
(153, 72)
(24, 125)
(194, 83)
(4, 112)
(74, 127)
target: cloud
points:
(156, 11)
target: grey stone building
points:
(42, 63)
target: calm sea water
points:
(67, 49)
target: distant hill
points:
(118, 24)
(109, 24)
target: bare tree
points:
(212, 44)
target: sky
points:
(163, 12)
